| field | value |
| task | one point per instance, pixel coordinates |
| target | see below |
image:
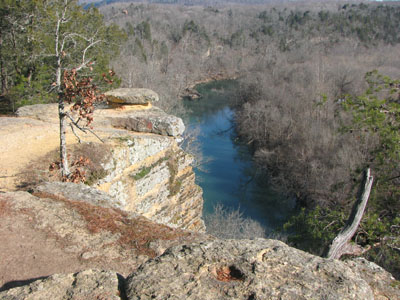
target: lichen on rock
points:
(88, 284)
(247, 269)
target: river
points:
(227, 174)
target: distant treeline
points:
(98, 3)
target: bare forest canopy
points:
(296, 65)
(99, 3)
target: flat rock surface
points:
(132, 96)
(381, 282)
(35, 133)
(78, 192)
(48, 233)
(246, 269)
(88, 285)
(22, 140)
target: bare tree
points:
(80, 38)
(230, 224)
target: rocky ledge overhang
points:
(139, 161)
(131, 96)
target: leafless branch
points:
(83, 129)
(73, 131)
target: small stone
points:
(90, 254)
(72, 249)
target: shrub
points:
(230, 224)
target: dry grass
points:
(38, 170)
(5, 206)
(136, 233)
(227, 274)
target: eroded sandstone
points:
(132, 96)
(88, 285)
(138, 162)
(254, 269)
(61, 229)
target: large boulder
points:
(131, 96)
(248, 269)
(153, 120)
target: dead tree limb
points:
(337, 247)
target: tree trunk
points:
(63, 145)
(2, 70)
(61, 109)
(338, 245)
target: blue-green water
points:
(229, 176)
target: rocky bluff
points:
(74, 241)
(138, 161)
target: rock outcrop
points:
(225, 269)
(77, 192)
(132, 96)
(66, 227)
(88, 285)
(151, 120)
(69, 228)
(246, 269)
(139, 161)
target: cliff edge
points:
(138, 160)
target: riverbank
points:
(191, 91)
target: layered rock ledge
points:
(132, 96)
(138, 162)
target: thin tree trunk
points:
(339, 243)
(63, 145)
(3, 88)
(61, 109)
(3, 78)
(63, 126)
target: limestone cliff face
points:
(152, 176)
(139, 161)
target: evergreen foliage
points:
(40, 37)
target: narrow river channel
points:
(227, 173)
